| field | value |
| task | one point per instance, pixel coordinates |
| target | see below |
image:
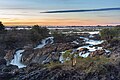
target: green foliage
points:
(57, 34)
(53, 65)
(67, 54)
(41, 30)
(89, 64)
(108, 34)
(38, 33)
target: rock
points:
(9, 55)
(2, 52)
(3, 61)
(6, 75)
(83, 49)
(45, 53)
(97, 53)
(95, 37)
(108, 71)
(1, 67)
(9, 68)
(53, 74)
(29, 46)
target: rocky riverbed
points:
(43, 61)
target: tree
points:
(38, 33)
(2, 27)
(43, 31)
(58, 36)
(71, 55)
(109, 34)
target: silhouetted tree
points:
(2, 27)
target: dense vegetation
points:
(15, 38)
(38, 33)
(110, 34)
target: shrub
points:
(59, 36)
(109, 34)
(38, 33)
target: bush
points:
(38, 33)
(58, 36)
(109, 34)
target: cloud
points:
(87, 10)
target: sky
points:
(69, 12)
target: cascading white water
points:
(90, 46)
(17, 59)
(18, 53)
(44, 42)
(90, 43)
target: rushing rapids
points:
(18, 53)
(17, 59)
(91, 46)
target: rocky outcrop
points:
(106, 72)
(46, 54)
(97, 53)
(2, 52)
(3, 61)
(7, 72)
(35, 71)
(83, 49)
(56, 74)
(95, 37)
(114, 46)
(9, 55)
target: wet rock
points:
(45, 54)
(97, 53)
(9, 68)
(9, 55)
(29, 46)
(3, 61)
(95, 37)
(83, 49)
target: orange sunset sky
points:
(28, 12)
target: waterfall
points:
(18, 53)
(17, 59)
(45, 42)
(90, 43)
